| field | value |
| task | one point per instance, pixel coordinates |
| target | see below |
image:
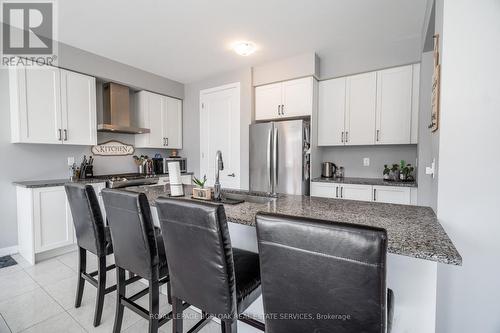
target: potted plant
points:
(386, 172)
(406, 171)
(394, 174)
(200, 192)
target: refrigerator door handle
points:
(269, 158)
(275, 158)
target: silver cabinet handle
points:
(282, 109)
(231, 175)
(166, 141)
(378, 132)
(342, 137)
(279, 110)
(60, 135)
(342, 192)
(336, 192)
(374, 194)
(65, 135)
(346, 136)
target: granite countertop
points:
(365, 181)
(413, 231)
(60, 182)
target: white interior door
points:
(220, 130)
(78, 93)
(41, 114)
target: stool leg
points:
(154, 304)
(229, 326)
(177, 315)
(82, 266)
(120, 292)
(101, 288)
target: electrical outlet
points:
(71, 161)
(366, 161)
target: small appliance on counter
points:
(87, 168)
(328, 169)
(158, 165)
(340, 172)
(182, 163)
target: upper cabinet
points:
(286, 99)
(371, 108)
(53, 106)
(163, 116)
(394, 107)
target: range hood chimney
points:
(116, 113)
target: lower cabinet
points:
(386, 194)
(44, 220)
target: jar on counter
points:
(339, 173)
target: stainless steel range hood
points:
(116, 113)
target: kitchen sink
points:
(249, 198)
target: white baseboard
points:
(8, 250)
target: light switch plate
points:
(366, 161)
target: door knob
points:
(231, 175)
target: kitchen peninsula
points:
(417, 243)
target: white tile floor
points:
(41, 299)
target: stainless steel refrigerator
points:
(280, 157)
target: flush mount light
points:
(244, 48)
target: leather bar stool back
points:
(93, 236)
(205, 271)
(334, 274)
(138, 247)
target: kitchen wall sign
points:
(436, 82)
(113, 148)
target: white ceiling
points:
(187, 40)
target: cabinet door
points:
(172, 123)
(150, 110)
(52, 219)
(356, 192)
(394, 104)
(331, 113)
(268, 101)
(323, 190)
(297, 97)
(38, 109)
(360, 109)
(78, 96)
(392, 194)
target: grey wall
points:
(468, 297)
(32, 161)
(301, 65)
(428, 142)
(192, 117)
(351, 158)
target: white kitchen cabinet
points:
(415, 103)
(286, 99)
(52, 106)
(394, 105)
(78, 98)
(360, 109)
(163, 116)
(331, 112)
(268, 101)
(45, 223)
(323, 190)
(355, 192)
(392, 194)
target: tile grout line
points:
(5, 321)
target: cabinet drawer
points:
(323, 190)
(392, 194)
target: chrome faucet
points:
(219, 166)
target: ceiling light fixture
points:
(244, 48)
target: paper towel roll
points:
(174, 175)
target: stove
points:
(126, 180)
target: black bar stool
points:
(324, 276)
(138, 247)
(93, 236)
(205, 271)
